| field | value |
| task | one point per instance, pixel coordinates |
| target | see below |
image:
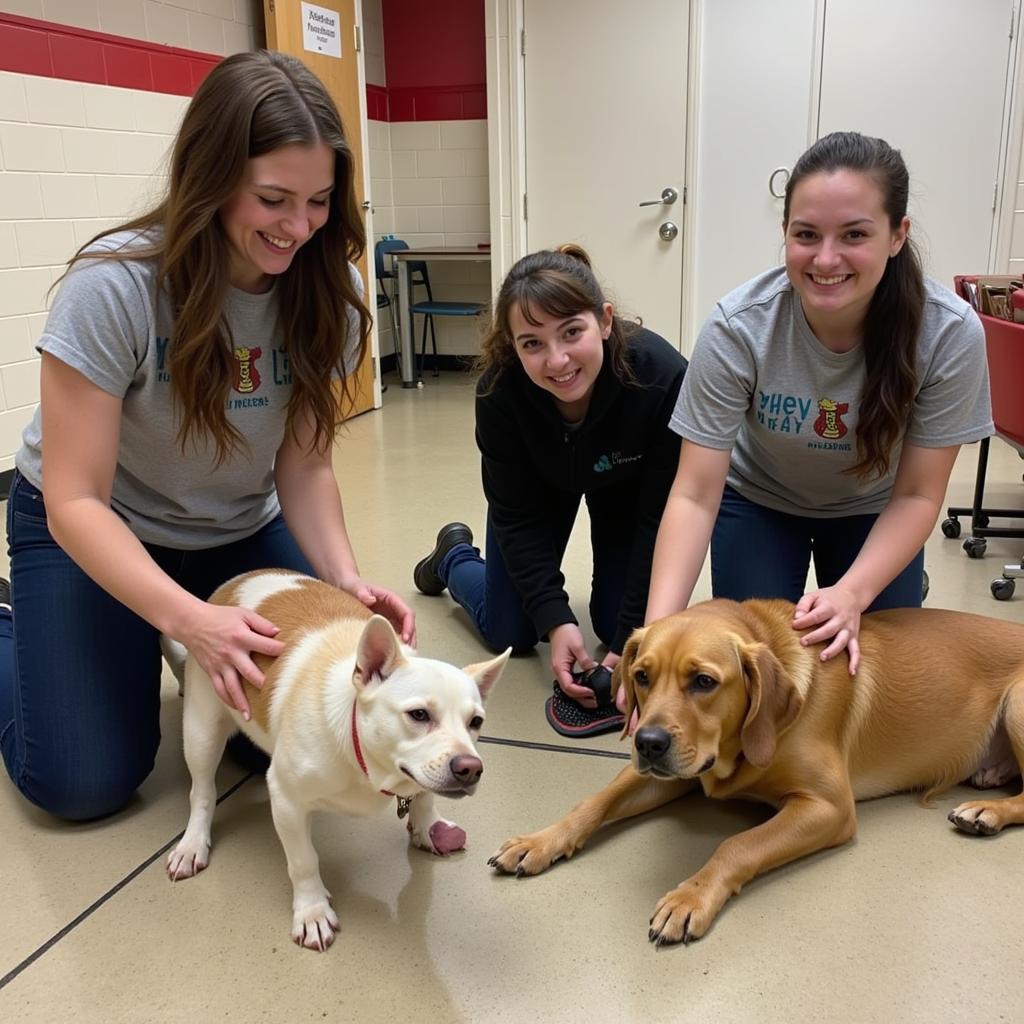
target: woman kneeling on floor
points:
(572, 401)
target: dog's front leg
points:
(314, 921)
(429, 831)
(803, 825)
(628, 794)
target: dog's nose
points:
(652, 743)
(467, 769)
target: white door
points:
(605, 94)
(756, 96)
(929, 77)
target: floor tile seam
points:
(107, 896)
(557, 748)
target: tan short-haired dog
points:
(729, 700)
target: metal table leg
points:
(407, 356)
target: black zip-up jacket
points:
(531, 462)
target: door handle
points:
(668, 197)
(771, 182)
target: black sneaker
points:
(5, 592)
(425, 574)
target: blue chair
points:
(431, 307)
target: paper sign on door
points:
(321, 30)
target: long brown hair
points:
(251, 104)
(893, 319)
(560, 282)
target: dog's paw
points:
(440, 838)
(188, 858)
(682, 915)
(314, 925)
(978, 817)
(529, 855)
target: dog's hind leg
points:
(987, 817)
(206, 725)
(314, 921)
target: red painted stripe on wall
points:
(32, 47)
(376, 103)
(437, 103)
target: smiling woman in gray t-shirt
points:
(184, 435)
(829, 400)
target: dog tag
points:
(404, 803)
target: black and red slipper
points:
(570, 718)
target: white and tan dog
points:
(352, 720)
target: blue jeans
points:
(80, 672)
(758, 552)
(486, 591)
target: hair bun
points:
(577, 252)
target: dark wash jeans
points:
(80, 672)
(486, 591)
(758, 552)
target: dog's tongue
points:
(447, 838)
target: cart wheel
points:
(925, 585)
(975, 547)
(981, 521)
(1002, 589)
(951, 527)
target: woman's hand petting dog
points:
(836, 613)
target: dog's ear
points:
(774, 703)
(379, 652)
(622, 675)
(487, 673)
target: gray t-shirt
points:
(762, 384)
(111, 324)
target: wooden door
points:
(606, 85)
(285, 32)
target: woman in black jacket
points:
(572, 402)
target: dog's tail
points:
(175, 655)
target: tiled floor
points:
(912, 922)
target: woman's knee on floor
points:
(85, 792)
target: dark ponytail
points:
(893, 319)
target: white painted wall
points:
(429, 184)
(77, 158)
(212, 26)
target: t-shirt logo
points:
(246, 378)
(829, 423)
(606, 463)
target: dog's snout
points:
(467, 769)
(652, 743)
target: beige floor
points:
(912, 922)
